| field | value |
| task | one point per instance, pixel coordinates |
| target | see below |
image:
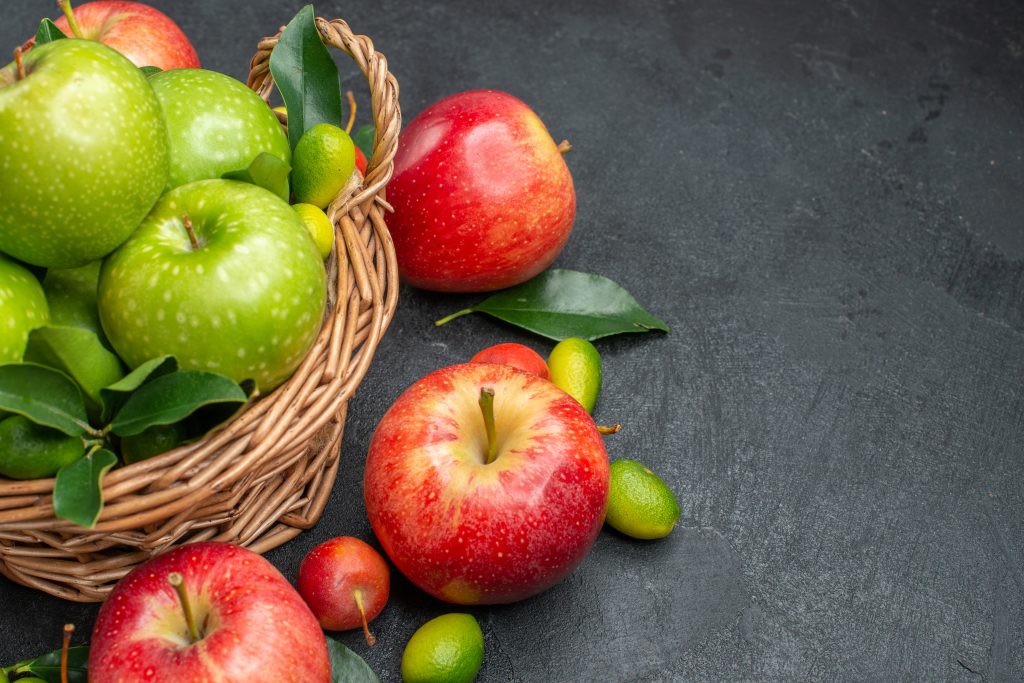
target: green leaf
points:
(47, 666)
(148, 71)
(173, 397)
(267, 171)
(114, 396)
(567, 303)
(78, 493)
(48, 32)
(306, 76)
(363, 139)
(76, 352)
(347, 666)
(43, 395)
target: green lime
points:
(151, 441)
(639, 503)
(575, 367)
(322, 163)
(31, 451)
(446, 649)
(319, 226)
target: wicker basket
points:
(264, 477)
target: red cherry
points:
(516, 356)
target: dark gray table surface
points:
(824, 201)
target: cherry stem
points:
(65, 7)
(371, 640)
(19, 63)
(351, 111)
(487, 408)
(564, 147)
(190, 230)
(178, 582)
(69, 629)
(453, 316)
(610, 429)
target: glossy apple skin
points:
(83, 153)
(247, 304)
(23, 307)
(483, 198)
(258, 627)
(331, 572)
(474, 533)
(516, 356)
(143, 34)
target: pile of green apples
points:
(118, 220)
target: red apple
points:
(346, 583)
(143, 34)
(516, 356)
(483, 199)
(483, 498)
(361, 161)
(248, 623)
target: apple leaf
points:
(78, 491)
(48, 32)
(47, 666)
(561, 303)
(364, 137)
(306, 76)
(148, 71)
(76, 352)
(267, 171)
(43, 395)
(173, 397)
(114, 396)
(347, 666)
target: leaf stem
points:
(65, 7)
(351, 110)
(69, 629)
(371, 640)
(20, 64)
(487, 408)
(178, 582)
(453, 316)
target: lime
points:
(639, 503)
(31, 451)
(151, 441)
(575, 367)
(446, 649)
(323, 160)
(319, 226)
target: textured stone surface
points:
(823, 200)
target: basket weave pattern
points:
(262, 478)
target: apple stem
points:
(487, 408)
(351, 111)
(69, 629)
(65, 7)
(611, 429)
(19, 63)
(371, 640)
(178, 582)
(190, 230)
(564, 147)
(453, 316)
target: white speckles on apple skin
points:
(215, 305)
(23, 307)
(84, 151)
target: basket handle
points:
(387, 118)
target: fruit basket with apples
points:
(263, 476)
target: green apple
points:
(83, 153)
(22, 309)
(71, 295)
(243, 294)
(216, 124)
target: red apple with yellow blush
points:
(483, 198)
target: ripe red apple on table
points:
(143, 34)
(248, 623)
(476, 516)
(483, 199)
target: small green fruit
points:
(319, 225)
(152, 441)
(323, 161)
(31, 451)
(639, 503)
(575, 367)
(446, 649)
